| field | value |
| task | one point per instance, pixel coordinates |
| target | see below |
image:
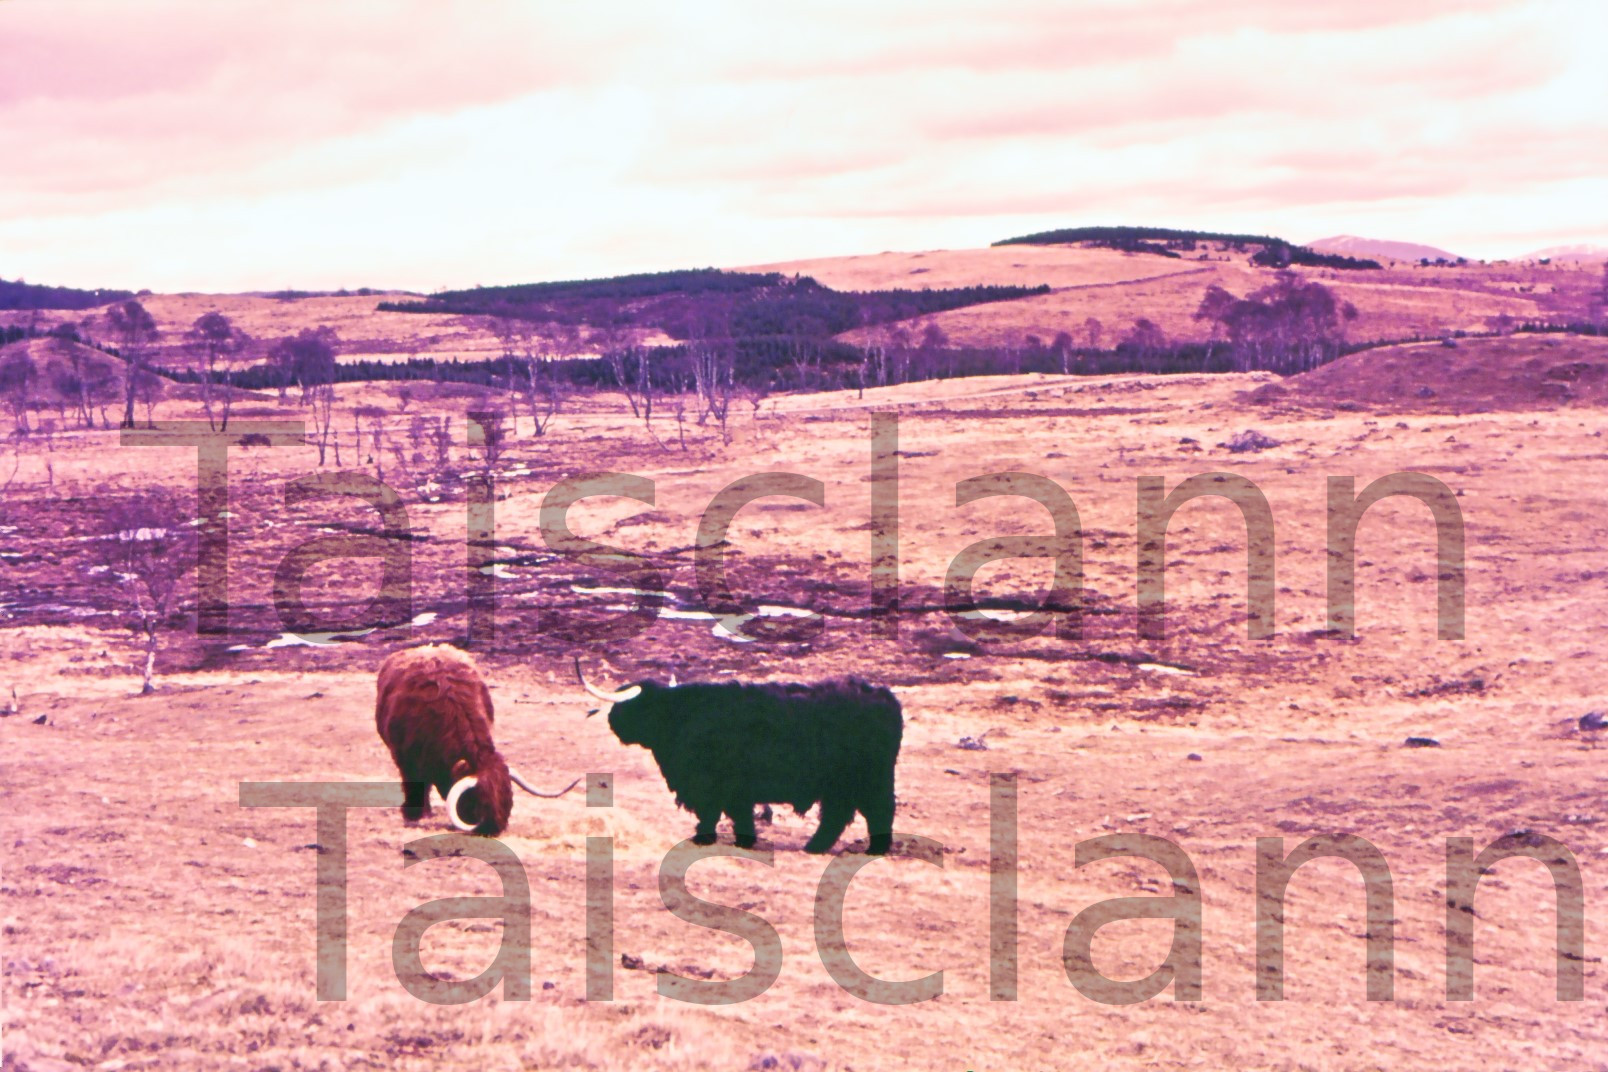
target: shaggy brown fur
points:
(434, 712)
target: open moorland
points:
(1116, 288)
(151, 921)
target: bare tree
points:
(494, 429)
(374, 418)
(929, 349)
(150, 389)
(542, 387)
(681, 420)
(147, 554)
(321, 400)
(213, 339)
(1061, 345)
(628, 365)
(306, 359)
(438, 430)
(713, 377)
(618, 367)
(135, 330)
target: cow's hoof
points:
(880, 844)
(817, 850)
(744, 842)
(703, 839)
(413, 815)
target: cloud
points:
(111, 98)
(198, 144)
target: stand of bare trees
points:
(17, 380)
(900, 354)
(629, 366)
(1288, 326)
(542, 387)
(89, 381)
(713, 379)
(531, 351)
(417, 468)
(135, 330)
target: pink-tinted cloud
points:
(207, 144)
(111, 97)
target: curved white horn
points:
(623, 695)
(533, 791)
(459, 788)
(672, 679)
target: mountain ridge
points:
(1389, 249)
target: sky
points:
(222, 146)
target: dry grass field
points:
(364, 331)
(1115, 288)
(151, 922)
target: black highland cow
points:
(727, 746)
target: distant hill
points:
(1380, 248)
(1270, 252)
(20, 295)
(1580, 253)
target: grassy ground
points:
(151, 922)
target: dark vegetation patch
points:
(1174, 242)
(15, 294)
(706, 302)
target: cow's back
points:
(786, 742)
(432, 700)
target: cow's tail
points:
(533, 791)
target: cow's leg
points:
(742, 823)
(415, 801)
(835, 815)
(708, 817)
(878, 814)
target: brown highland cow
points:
(434, 713)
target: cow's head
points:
(637, 713)
(480, 800)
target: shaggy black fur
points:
(725, 747)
